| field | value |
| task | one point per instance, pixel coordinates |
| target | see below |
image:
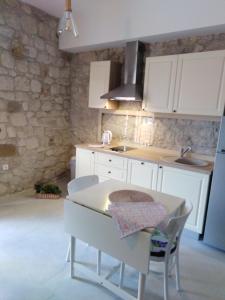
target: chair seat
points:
(159, 242)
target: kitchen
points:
(60, 114)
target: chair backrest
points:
(175, 226)
(81, 183)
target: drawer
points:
(110, 172)
(111, 160)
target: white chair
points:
(75, 186)
(165, 248)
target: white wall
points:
(110, 22)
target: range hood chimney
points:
(132, 89)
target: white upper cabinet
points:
(142, 173)
(200, 83)
(104, 75)
(160, 76)
(186, 84)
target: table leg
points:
(122, 267)
(99, 259)
(141, 286)
(72, 255)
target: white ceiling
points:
(105, 23)
(52, 7)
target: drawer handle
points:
(142, 163)
(109, 172)
(160, 167)
(110, 160)
(93, 152)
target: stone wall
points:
(34, 97)
(168, 133)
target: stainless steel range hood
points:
(132, 89)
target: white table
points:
(86, 218)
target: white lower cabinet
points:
(85, 162)
(142, 173)
(192, 186)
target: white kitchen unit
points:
(159, 84)
(189, 185)
(142, 173)
(109, 166)
(191, 83)
(200, 83)
(104, 76)
(85, 162)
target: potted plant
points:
(47, 191)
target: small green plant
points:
(42, 188)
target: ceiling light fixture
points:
(67, 23)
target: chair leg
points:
(177, 266)
(99, 258)
(122, 267)
(72, 255)
(68, 254)
(166, 279)
(141, 286)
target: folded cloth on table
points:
(132, 217)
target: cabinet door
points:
(191, 186)
(85, 160)
(160, 75)
(200, 83)
(142, 173)
(99, 83)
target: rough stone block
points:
(22, 84)
(22, 66)
(35, 68)
(29, 24)
(7, 60)
(7, 95)
(14, 106)
(2, 132)
(6, 31)
(18, 119)
(11, 132)
(36, 86)
(32, 143)
(6, 83)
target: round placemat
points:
(129, 196)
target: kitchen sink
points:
(186, 161)
(121, 148)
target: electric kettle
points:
(106, 137)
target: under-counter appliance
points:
(215, 220)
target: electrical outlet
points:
(5, 167)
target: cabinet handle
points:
(160, 167)
(142, 163)
(174, 110)
(109, 172)
(110, 160)
(93, 152)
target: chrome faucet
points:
(183, 151)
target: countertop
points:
(151, 155)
